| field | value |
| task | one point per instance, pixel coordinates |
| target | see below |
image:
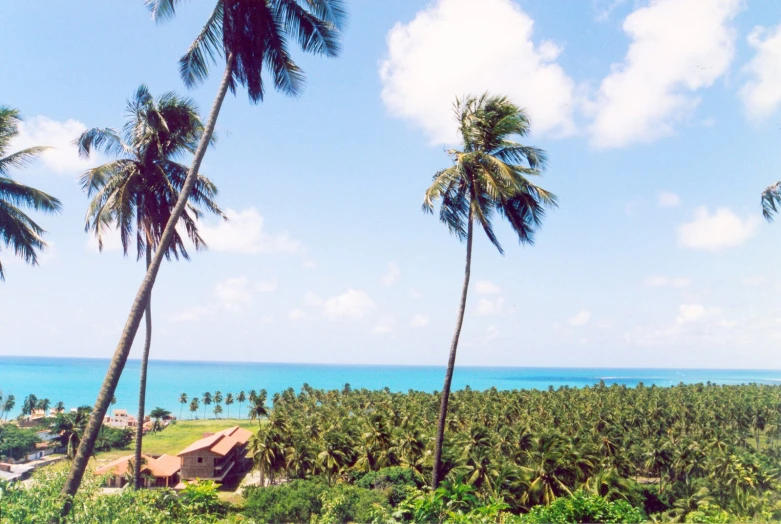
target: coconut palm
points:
(138, 190)
(228, 402)
(29, 404)
(241, 398)
(194, 405)
(182, 401)
(206, 399)
(258, 409)
(249, 35)
(489, 175)
(771, 201)
(8, 405)
(43, 405)
(17, 230)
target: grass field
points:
(174, 438)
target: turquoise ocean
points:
(76, 381)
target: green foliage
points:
(113, 438)
(40, 503)
(580, 507)
(313, 501)
(394, 481)
(15, 442)
(201, 496)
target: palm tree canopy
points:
(17, 230)
(490, 174)
(256, 35)
(140, 187)
(771, 201)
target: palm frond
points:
(20, 159)
(161, 10)
(19, 194)
(205, 49)
(106, 140)
(771, 200)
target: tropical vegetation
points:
(249, 36)
(18, 232)
(489, 176)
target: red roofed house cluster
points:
(214, 457)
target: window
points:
(200, 459)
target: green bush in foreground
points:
(40, 502)
(581, 507)
(313, 500)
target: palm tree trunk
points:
(436, 474)
(119, 358)
(142, 387)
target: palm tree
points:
(771, 201)
(194, 405)
(258, 409)
(249, 35)
(113, 402)
(8, 405)
(241, 398)
(29, 404)
(141, 187)
(217, 411)
(182, 401)
(207, 399)
(43, 405)
(228, 402)
(17, 230)
(218, 397)
(489, 175)
(70, 428)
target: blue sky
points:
(661, 120)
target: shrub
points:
(305, 500)
(394, 482)
(16, 442)
(581, 507)
(113, 438)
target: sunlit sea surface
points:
(76, 381)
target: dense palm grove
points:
(667, 450)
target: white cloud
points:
(678, 47)
(296, 314)
(689, 313)
(581, 318)
(244, 233)
(491, 333)
(392, 276)
(761, 94)
(384, 326)
(63, 157)
(459, 47)
(309, 263)
(721, 230)
(233, 293)
(419, 321)
(414, 293)
(668, 199)
(486, 287)
(662, 281)
(350, 305)
(266, 286)
(193, 314)
(489, 308)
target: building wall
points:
(191, 468)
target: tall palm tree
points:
(228, 402)
(182, 401)
(207, 399)
(241, 398)
(489, 175)
(194, 405)
(29, 404)
(17, 230)
(140, 188)
(258, 409)
(249, 35)
(8, 405)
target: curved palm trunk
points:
(142, 388)
(119, 358)
(436, 474)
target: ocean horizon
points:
(76, 381)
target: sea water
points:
(76, 381)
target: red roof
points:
(221, 443)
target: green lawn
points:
(174, 438)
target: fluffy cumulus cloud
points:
(486, 287)
(419, 321)
(296, 314)
(350, 305)
(266, 286)
(490, 308)
(392, 275)
(761, 94)
(715, 232)
(193, 314)
(244, 233)
(678, 47)
(581, 318)
(62, 157)
(233, 294)
(690, 313)
(459, 47)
